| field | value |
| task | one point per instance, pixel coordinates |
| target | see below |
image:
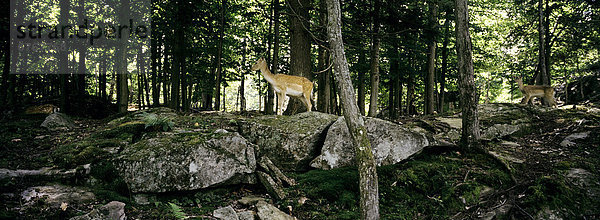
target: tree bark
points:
(468, 91)
(324, 90)
(300, 63)
(275, 60)
(369, 196)
(444, 63)
(430, 81)
(542, 77)
(361, 83)
(154, 57)
(410, 90)
(63, 58)
(219, 57)
(375, 61)
(121, 54)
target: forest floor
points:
(536, 175)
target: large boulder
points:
(291, 142)
(58, 121)
(186, 160)
(390, 143)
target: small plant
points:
(177, 211)
(156, 123)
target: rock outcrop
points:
(290, 141)
(58, 121)
(186, 161)
(391, 143)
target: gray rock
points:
(112, 211)
(267, 211)
(250, 200)
(291, 142)
(391, 143)
(58, 121)
(225, 213)
(57, 194)
(500, 131)
(186, 161)
(568, 141)
(547, 214)
(272, 187)
(246, 215)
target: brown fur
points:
(41, 109)
(293, 86)
(541, 91)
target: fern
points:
(177, 211)
(157, 123)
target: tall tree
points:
(444, 63)
(300, 63)
(375, 60)
(63, 58)
(430, 79)
(542, 78)
(369, 193)
(468, 90)
(275, 59)
(324, 90)
(154, 56)
(361, 83)
(121, 62)
(220, 57)
(82, 71)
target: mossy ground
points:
(432, 185)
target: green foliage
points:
(429, 186)
(177, 211)
(157, 123)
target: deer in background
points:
(293, 86)
(541, 91)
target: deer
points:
(293, 86)
(542, 91)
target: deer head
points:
(260, 63)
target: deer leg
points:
(525, 99)
(280, 100)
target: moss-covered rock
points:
(186, 160)
(390, 143)
(291, 142)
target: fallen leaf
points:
(64, 206)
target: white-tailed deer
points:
(294, 86)
(541, 91)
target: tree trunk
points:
(5, 75)
(63, 58)
(468, 91)
(102, 80)
(444, 63)
(542, 77)
(243, 79)
(410, 90)
(300, 63)
(375, 61)
(430, 82)
(324, 90)
(219, 57)
(275, 59)
(548, 48)
(121, 70)
(154, 56)
(140, 102)
(369, 195)
(361, 83)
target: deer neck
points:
(268, 75)
(521, 86)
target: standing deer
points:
(294, 86)
(541, 91)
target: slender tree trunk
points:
(81, 72)
(444, 62)
(5, 75)
(410, 90)
(63, 58)
(548, 48)
(324, 90)
(361, 83)
(154, 56)
(375, 61)
(334, 103)
(121, 54)
(542, 77)
(219, 57)
(430, 82)
(468, 91)
(275, 59)
(243, 79)
(300, 63)
(369, 194)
